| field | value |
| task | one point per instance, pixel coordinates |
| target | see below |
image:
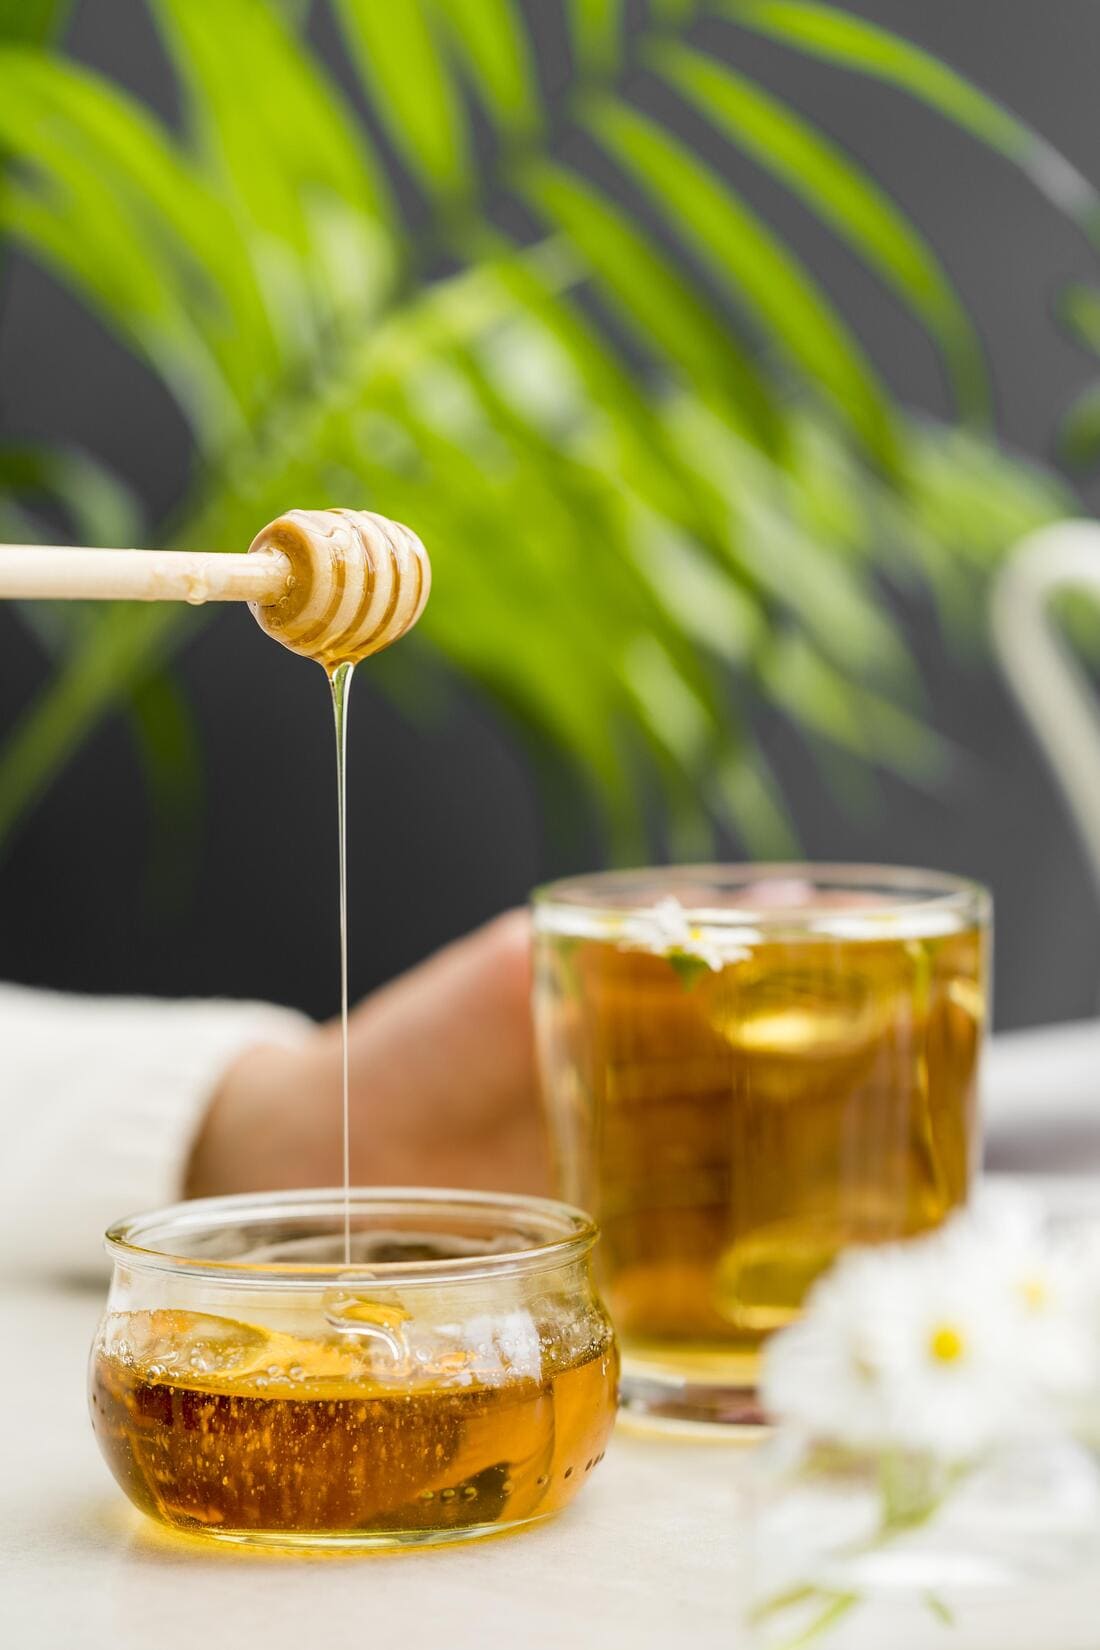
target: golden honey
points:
(444, 1368)
(734, 1119)
(227, 1428)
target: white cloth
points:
(100, 1102)
(1041, 1100)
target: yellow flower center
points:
(863, 1366)
(1035, 1294)
(946, 1344)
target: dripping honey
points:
(306, 1413)
(732, 1128)
(251, 1433)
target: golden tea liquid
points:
(227, 1428)
(735, 1106)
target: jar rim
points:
(892, 899)
(156, 1241)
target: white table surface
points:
(653, 1553)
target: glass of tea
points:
(747, 1069)
(455, 1379)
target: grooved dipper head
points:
(357, 583)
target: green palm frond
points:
(658, 474)
(819, 173)
(1080, 434)
(32, 19)
(828, 32)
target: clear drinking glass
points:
(457, 1378)
(747, 1069)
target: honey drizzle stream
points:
(339, 677)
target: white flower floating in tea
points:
(667, 930)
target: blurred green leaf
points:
(817, 696)
(98, 506)
(688, 969)
(597, 31)
(781, 298)
(491, 42)
(32, 20)
(170, 751)
(399, 57)
(852, 43)
(1080, 437)
(100, 670)
(662, 308)
(95, 162)
(279, 145)
(832, 599)
(745, 790)
(842, 195)
(1079, 309)
(660, 483)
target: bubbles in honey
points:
(230, 1427)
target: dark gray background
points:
(445, 825)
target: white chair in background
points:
(1042, 1087)
(1050, 686)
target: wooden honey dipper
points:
(332, 585)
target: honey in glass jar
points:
(456, 1379)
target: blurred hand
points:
(442, 1086)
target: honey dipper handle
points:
(63, 572)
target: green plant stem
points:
(839, 1605)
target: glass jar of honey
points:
(454, 1378)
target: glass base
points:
(345, 1541)
(702, 1390)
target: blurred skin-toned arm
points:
(442, 1085)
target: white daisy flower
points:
(929, 1354)
(1046, 1287)
(916, 1347)
(822, 1375)
(666, 928)
(947, 1344)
